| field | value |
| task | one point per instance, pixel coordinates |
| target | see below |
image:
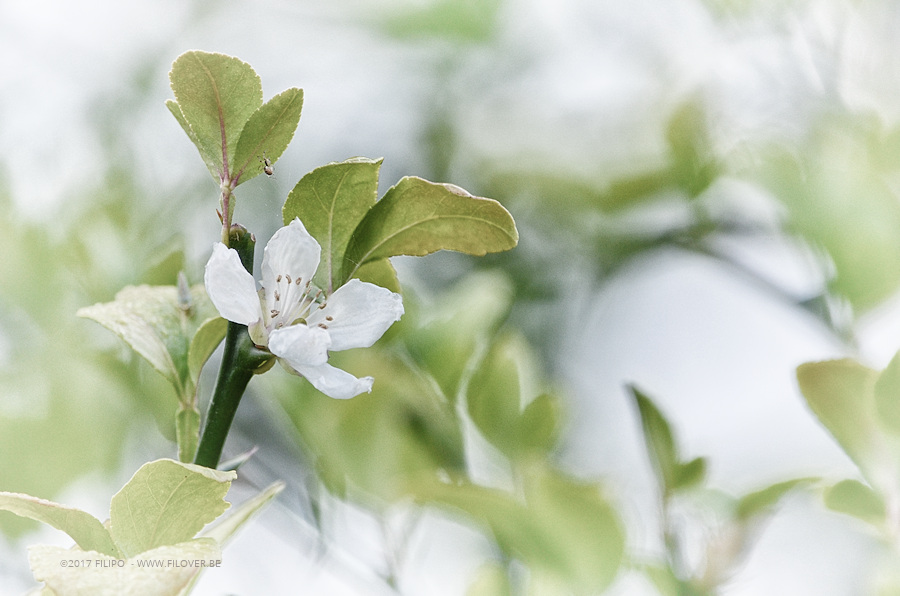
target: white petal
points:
(360, 313)
(291, 252)
(335, 382)
(300, 345)
(231, 287)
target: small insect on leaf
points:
(267, 165)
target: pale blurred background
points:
(706, 193)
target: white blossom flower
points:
(291, 318)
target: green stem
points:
(240, 360)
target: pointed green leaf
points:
(854, 498)
(331, 201)
(166, 502)
(841, 393)
(97, 574)
(661, 447)
(212, 159)
(417, 217)
(887, 396)
(761, 502)
(205, 341)
(85, 529)
(690, 474)
(267, 134)
(217, 94)
(540, 423)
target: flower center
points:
(292, 300)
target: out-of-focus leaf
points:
(331, 201)
(494, 395)
(166, 502)
(267, 134)
(462, 321)
(384, 443)
(417, 217)
(763, 501)
(855, 498)
(216, 95)
(841, 393)
(540, 423)
(465, 21)
(690, 474)
(100, 574)
(85, 529)
(495, 400)
(565, 529)
(839, 198)
(694, 165)
(661, 447)
(887, 396)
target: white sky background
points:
(582, 84)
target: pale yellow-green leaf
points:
(85, 529)
(163, 571)
(166, 502)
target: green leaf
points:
(209, 335)
(462, 21)
(101, 574)
(835, 186)
(566, 528)
(212, 159)
(331, 201)
(386, 443)
(381, 273)
(661, 447)
(187, 432)
(216, 94)
(581, 526)
(166, 502)
(158, 325)
(494, 398)
(540, 423)
(417, 217)
(85, 529)
(761, 502)
(887, 396)
(459, 324)
(854, 498)
(267, 134)
(841, 393)
(690, 474)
